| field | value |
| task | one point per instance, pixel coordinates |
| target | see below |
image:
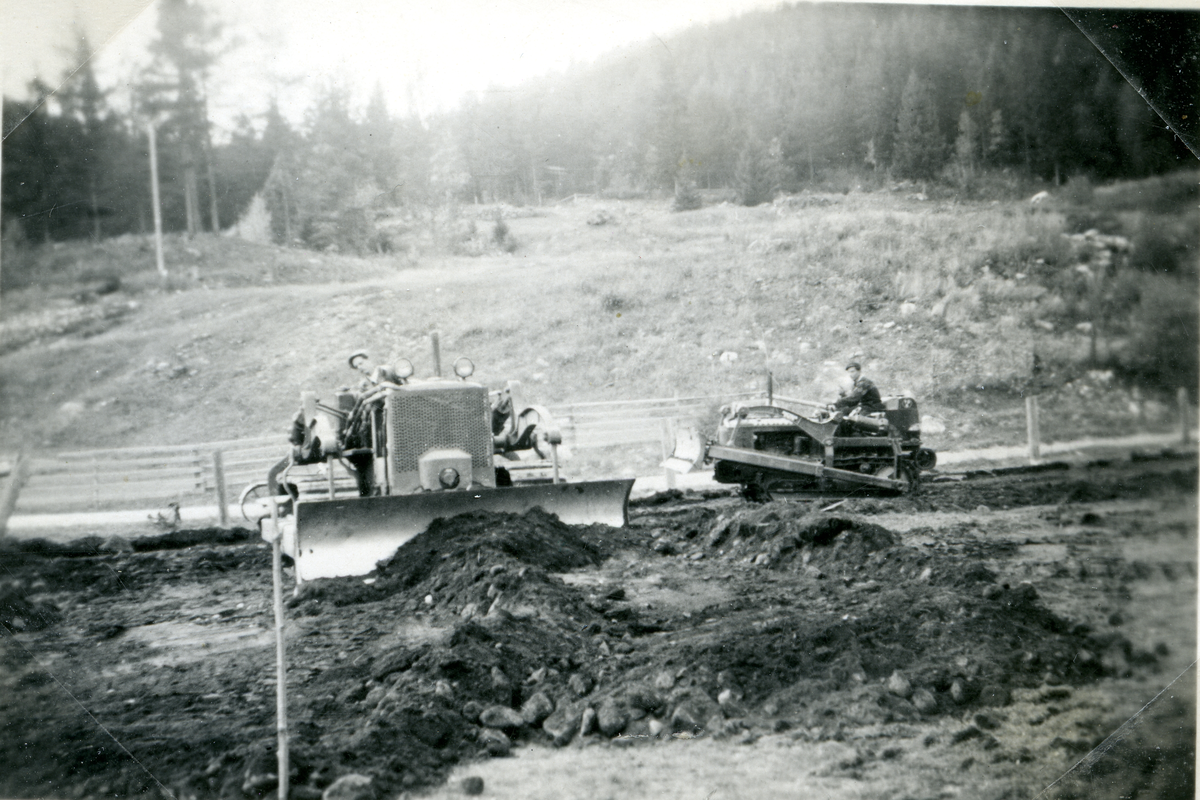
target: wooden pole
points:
(437, 353)
(281, 726)
(1181, 399)
(219, 477)
(1031, 426)
(668, 444)
(8, 498)
(158, 243)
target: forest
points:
(977, 102)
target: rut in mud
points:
(148, 666)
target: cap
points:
(854, 365)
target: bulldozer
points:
(792, 446)
(371, 470)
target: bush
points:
(1163, 333)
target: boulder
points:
(611, 717)
(537, 708)
(495, 742)
(350, 787)
(580, 683)
(899, 685)
(691, 709)
(563, 723)
(472, 784)
(924, 701)
(500, 717)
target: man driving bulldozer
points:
(862, 395)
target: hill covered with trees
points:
(981, 102)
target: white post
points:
(668, 445)
(158, 244)
(280, 659)
(1031, 427)
(1181, 399)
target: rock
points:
(500, 717)
(963, 691)
(644, 699)
(730, 702)
(579, 683)
(611, 717)
(993, 695)
(471, 711)
(986, 722)
(499, 679)
(969, 732)
(924, 701)
(537, 676)
(472, 784)
(350, 787)
(536, 708)
(655, 726)
(116, 544)
(563, 724)
(898, 685)
(587, 721)
(692, 710)
(444, 690)
(992, 591)
(664, 681)
(495, 742)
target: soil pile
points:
(490, 630)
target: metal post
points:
(1031, 426)
(437, 354)
(280, 659)
(219, 477)
(1181, 399)
(158, 243)
(770, 388)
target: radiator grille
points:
(440, 415)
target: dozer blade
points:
(336, 538)
(689, 453)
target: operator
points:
(862, 395)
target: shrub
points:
(1163, 332)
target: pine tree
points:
(919, 150)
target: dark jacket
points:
(863, 394)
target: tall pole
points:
(158, 246)
(281, 726)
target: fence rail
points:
(216, 472)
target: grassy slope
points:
(640, 307)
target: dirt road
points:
(978, 639)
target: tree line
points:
(804, 96)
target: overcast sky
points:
(433, 50)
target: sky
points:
(424, 54)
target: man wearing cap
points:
(862, 394)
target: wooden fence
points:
(215, 473)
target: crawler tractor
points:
(373, 469)
(786, 445)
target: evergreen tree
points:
(919, 150)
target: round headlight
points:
(464, 367)
(403, 368)
(448, 478)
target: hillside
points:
(598, 300)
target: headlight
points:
(403, 368)
(464, 367)
(448, 477)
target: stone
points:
(536, 708)
(664, 681)
(730, 702)
(472, 784)
(350, 787)
(501, 717)
(499, 679)
(655, 726)
(924, 701)
(495, 742)
(587, 721)
(899, 685)
(962, 692)
(692, 707)
(644, 699)
(116, 544)
(444, 690)
(471, 710)
(580, 683)
(986, 722)
(611, 717)
(563, 724)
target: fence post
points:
(219, 477)
(1181, 399)
(1031, 427)
(8, 498)
(668, 444)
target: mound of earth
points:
(703, 617)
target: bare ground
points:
(985, 638)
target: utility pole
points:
(158, 245)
